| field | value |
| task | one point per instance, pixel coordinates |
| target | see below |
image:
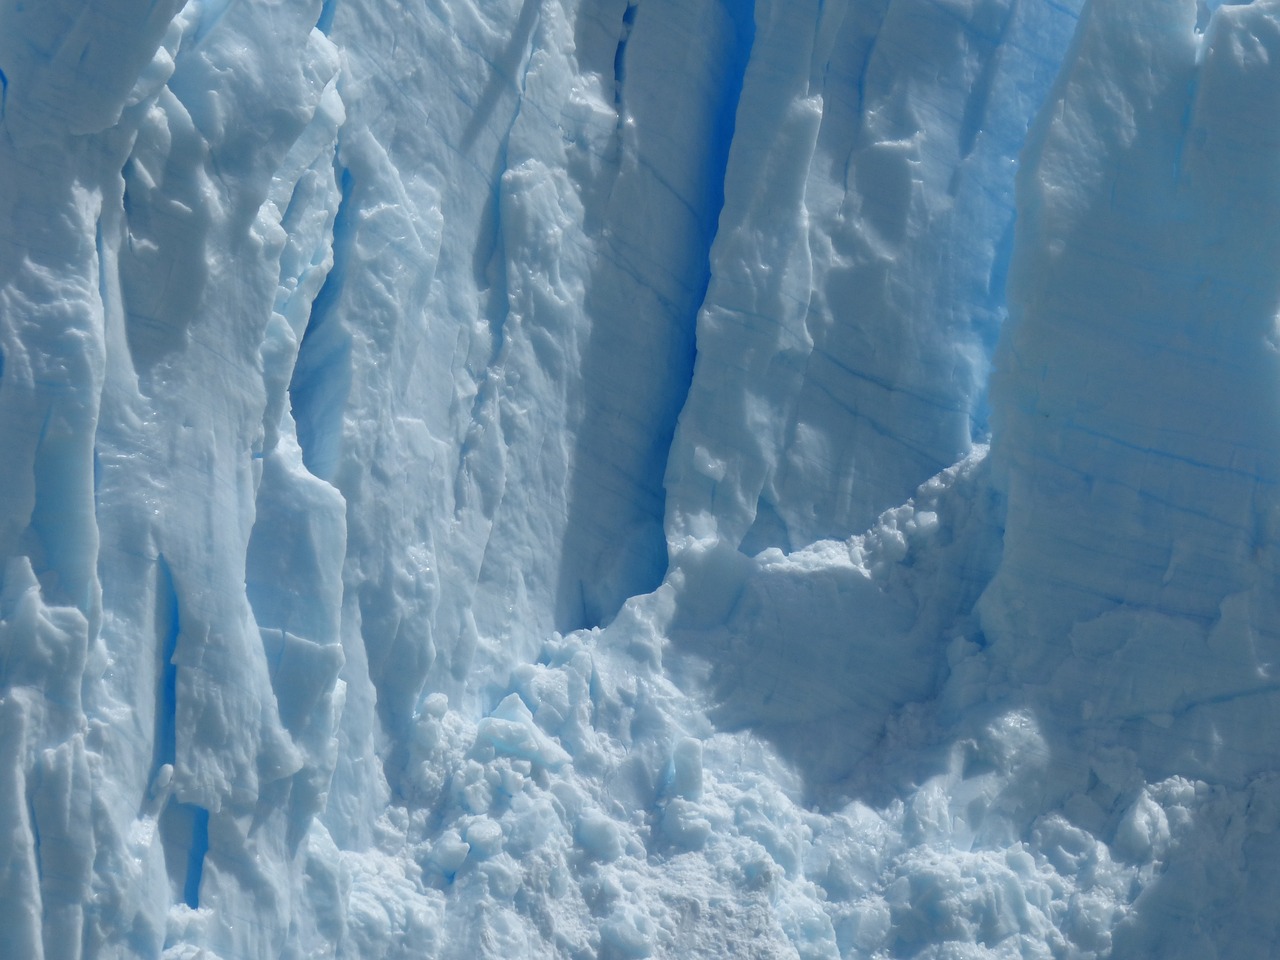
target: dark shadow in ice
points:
(184, 832)
(834, 653)
(620, 59)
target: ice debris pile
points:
(625, 478)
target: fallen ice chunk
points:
(510, 731)
(598, 836)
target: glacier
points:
(627, 478)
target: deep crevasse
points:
(363, 596)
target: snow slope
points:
(623, 478)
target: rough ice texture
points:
(624, 478)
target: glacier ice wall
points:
(1146, 218)
(622, 478)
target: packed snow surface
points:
(626, 478)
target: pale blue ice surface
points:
(599, 478)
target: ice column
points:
(1135, 424)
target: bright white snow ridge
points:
(639, 478)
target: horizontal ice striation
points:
(1136, 439)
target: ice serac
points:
(1135, 431)
(1137, 447)
(857, 281)
(510, 318)
(143, 199)
(62, 141)
(841, 363)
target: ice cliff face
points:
(512, 478)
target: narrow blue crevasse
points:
(742, 16)
(606, 560)
(620, 57)
(184, 833)
(325, 23)
(1003, 140)
(195, 862)
(32, 788)
(167, 627)
(321, 379)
